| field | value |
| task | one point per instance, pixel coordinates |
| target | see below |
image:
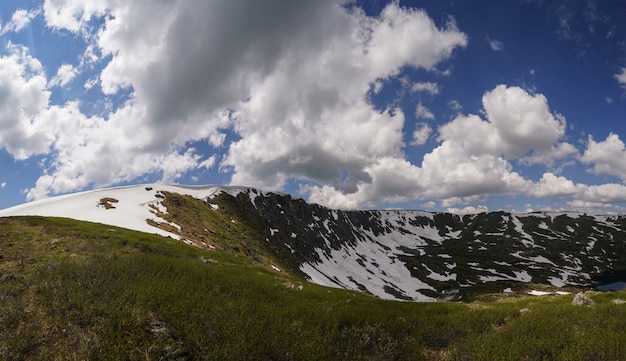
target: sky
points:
(439, 105)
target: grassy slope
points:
(77, 290)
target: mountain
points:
(393, 254)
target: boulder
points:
(581, 299)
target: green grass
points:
(76, 290)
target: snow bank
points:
(136, 205)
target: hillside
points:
(403, 255)
(74, 290)
(223, 276)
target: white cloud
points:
(83, 151)
(323, 119)
(23, 95)
(495, 45)
(604, 193)
(450, 171)
(207, 163)
(291, 80)
(421, 133)
(455, 105)
(409, 37)
(20, 19)
(468, 210)
(451, 202)
(421, 112)
(429, 87)
(72, 15)
(552, 186)
(65, 74)
(294, 73)
(523, 121)
(518, 124)
(473, 158)
(621, 77)
(3, 184)
(390, 180)
(607, 156)
(584, 205)
(90, 83)
(548, 156)
(97, 152)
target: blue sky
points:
(460, 106)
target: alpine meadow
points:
(313, 180)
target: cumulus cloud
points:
(474, 158)
(390, 180)
(82, 151)
(449, 171)
(23, 96)
(72, 15)
(20, 19)
(584, 205)
(65, 74)
(518, 124)
(549, 156)
(553, 186)
(294, 73)
(522, 121)
(290, 81)
(323, 118)
(92, 151)
(604, 193)
(468, 210)
(607, 156)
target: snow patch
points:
(344, 268)
(539, 293)
(136, 204)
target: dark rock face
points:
(415, 255)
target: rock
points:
(581, 299)
(173, 348)
(619, 302)
(207, 260)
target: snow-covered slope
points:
(421, 256)
(129, 207)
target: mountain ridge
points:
(405, 255)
